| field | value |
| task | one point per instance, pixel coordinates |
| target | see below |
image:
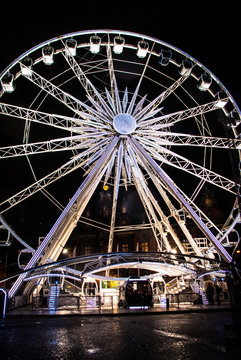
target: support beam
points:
(165, 138)
(180, 162)
(4, 301)
(40, 184)
(170, 119)
(119, 162)
(156, 225)
(61, 230)
(155, 168)
(148, 110)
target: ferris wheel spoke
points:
(139, 182)
(99, 110)
(117, 97)
(171, 119)
(171, 158)
(55, 91)
(200, 172)
(88, 86)
(109, 168)
(195, 208)
(165, 221)
(179, 139)
(162, 188)
(75, 163)
(54, 120)
(79, 73)
(207, 221)
(113, 96)
(159, 172)
(139, 105)
(177, 214)
(110, 68)
(66, 99)
(54, 145)
(39, 185)
(131, 107)
(148, 110)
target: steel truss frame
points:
(92, 264)
(107, 155)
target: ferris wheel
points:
(123, 110)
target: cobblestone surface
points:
(174, 336)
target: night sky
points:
(209, 35)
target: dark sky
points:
(209, 34)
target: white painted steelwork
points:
(125, 109)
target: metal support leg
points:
(61, 230)
(4, 301)
(160, 173)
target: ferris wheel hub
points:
(124, 123)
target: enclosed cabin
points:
(95, 44)
(142, 49)
(221, 98)
(70, 47)
(136, 293)
(119, 43)
(26, 66)
(234, 118)
(186, 67)
(204, 82)
(7, 83)
(48, 55)
(165, 57)
(89, 287)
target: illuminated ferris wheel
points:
(123, 110)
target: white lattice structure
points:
(129, 110)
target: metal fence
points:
(72, 302)
(99, 303)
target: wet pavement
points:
(182, 336)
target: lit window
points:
(124, 247)
(144, 246)
(208, 201)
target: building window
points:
(124, 247)
(144, 246)
(88, 250)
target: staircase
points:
(177, 285)
(54, 297)
(196, 289)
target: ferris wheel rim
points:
(124, 32)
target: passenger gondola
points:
(136, 293)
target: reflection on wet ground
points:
(174, 336)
